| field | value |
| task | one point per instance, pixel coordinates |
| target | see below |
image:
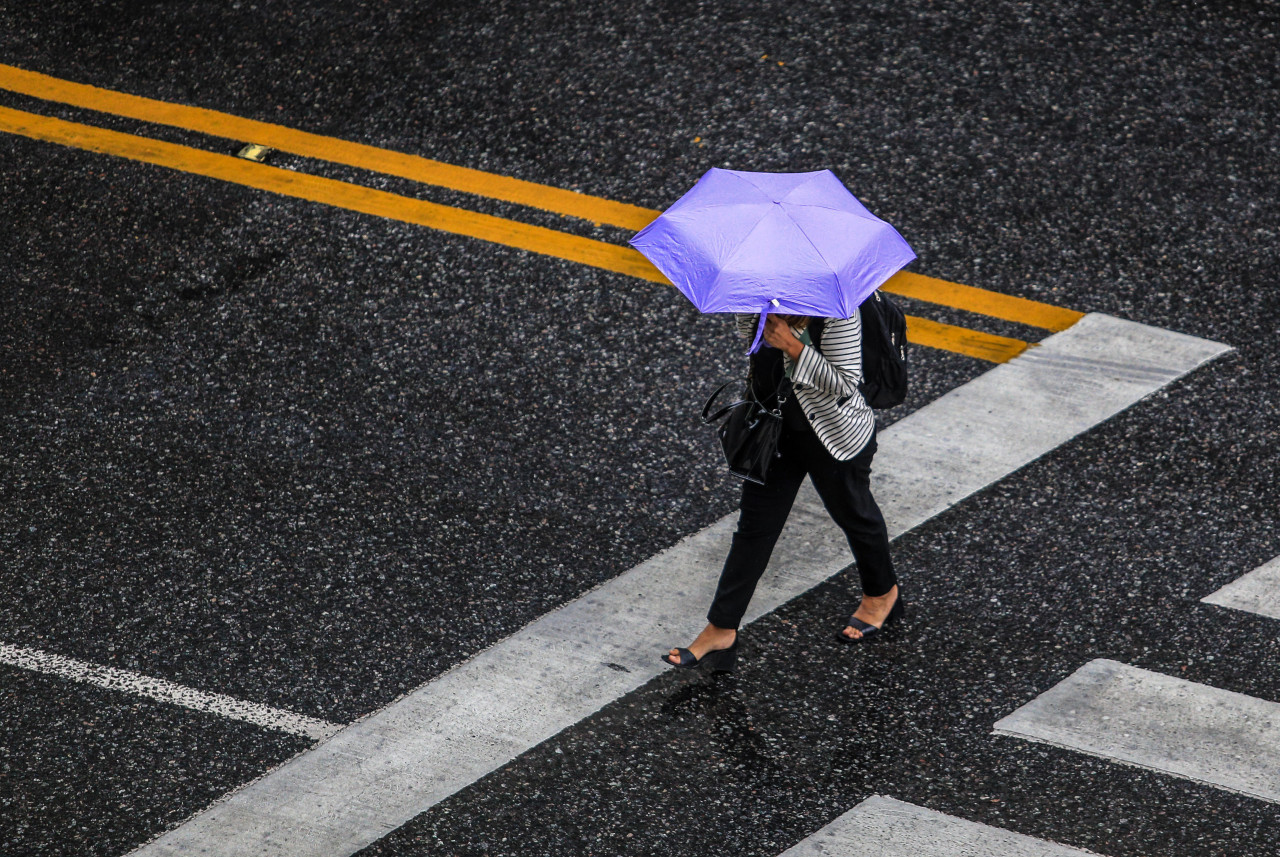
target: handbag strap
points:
(784, 385)
(706, 409)
(780, 390)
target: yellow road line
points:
(415, 168)
(962, 340)
(458, 221)
(593, 208)
(379, 203)
(981, 301)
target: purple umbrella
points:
(792, 243)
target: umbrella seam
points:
(757, 187)
(749, 184)
(813, 175)
(745, 242)
(824, 259)
(867, 216)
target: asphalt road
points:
(311, 458)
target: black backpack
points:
(884, 356)
(884, 352)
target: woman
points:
(828, 434)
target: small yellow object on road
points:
(254, 152)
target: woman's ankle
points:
(715, 637)
(886, 598)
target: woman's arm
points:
(837, 369)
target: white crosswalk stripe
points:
(1256, 592)
(1143, 718)
(892, 828)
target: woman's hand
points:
(778, 334)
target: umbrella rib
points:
(813, 176)
(865, 214)
(743, 244)
(824, 259)
(858, 214)
(746, 241)
(748, 183)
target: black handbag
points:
(749, 433)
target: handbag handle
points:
(708, 420)
(706, 409)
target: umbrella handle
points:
(764, 315)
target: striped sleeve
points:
(837, 368)
(746, 325)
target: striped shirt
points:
(826, 382)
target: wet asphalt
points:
(310, 458)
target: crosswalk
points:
(1150, 720)
(1164, 723)
(1256, 592)
(381, 772)
(893, 828)
(1110, 710)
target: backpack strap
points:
(816, 327)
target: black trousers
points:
(845, 489)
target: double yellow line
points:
(599, 254)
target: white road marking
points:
(1256, 592)
(1142, 718)
(161, 690)
(886, 827)
(394, 764)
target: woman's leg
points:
(845, 489)
(763, 512)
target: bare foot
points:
(873, 611)
(712, 639)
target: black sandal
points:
(866, 629)
(720, 660)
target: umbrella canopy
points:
(793, 243)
